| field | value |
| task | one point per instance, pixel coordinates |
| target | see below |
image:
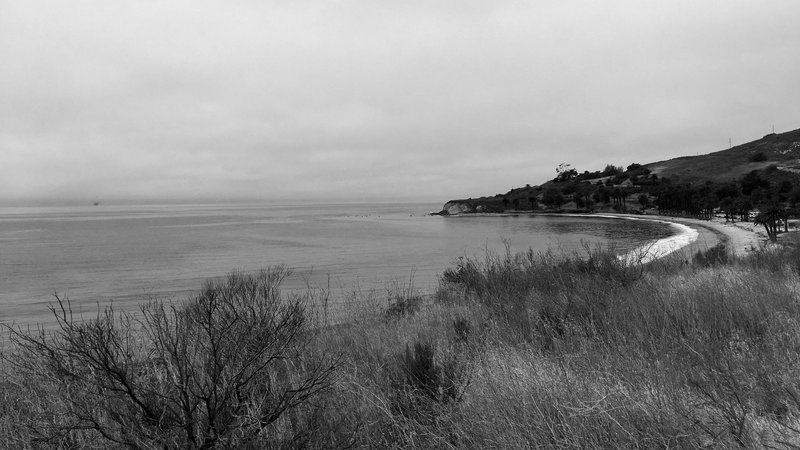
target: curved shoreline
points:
(658, 248)
(741, 238)
(662, 247)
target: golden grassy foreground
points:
(515, 351)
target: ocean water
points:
(124, 254)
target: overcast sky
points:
(364, 100)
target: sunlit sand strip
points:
(662, 247)
(652, 250)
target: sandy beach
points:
(695, 235)
(740, 237)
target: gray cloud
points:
(370, 100)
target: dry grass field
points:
(512, 351)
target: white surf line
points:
(653, 250)
(662, 247)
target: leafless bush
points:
(218, 371)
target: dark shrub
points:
(403, 305)
(466, 273)
(716, 255)
(463, 329)
(438, 381)
(421, 371)
(217, 371)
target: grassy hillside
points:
(761, 175)
(781, 149)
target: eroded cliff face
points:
(457, 207)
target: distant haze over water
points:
(97, 254)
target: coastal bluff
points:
(456, 207)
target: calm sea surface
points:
(126, 253)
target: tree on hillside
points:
(619, 196)
(601, 195)
(644, 200)
(583, 195)
(533, 201)
(709, 204)
(552, 197)
(611, 170)
(757, 196)
(753, 181)
(730, 190)
(505, 202)
(743, 206)
(769, 217)
(569, 189)
(565, 172)
(728, 207)
(516, 203)
(794, 196)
